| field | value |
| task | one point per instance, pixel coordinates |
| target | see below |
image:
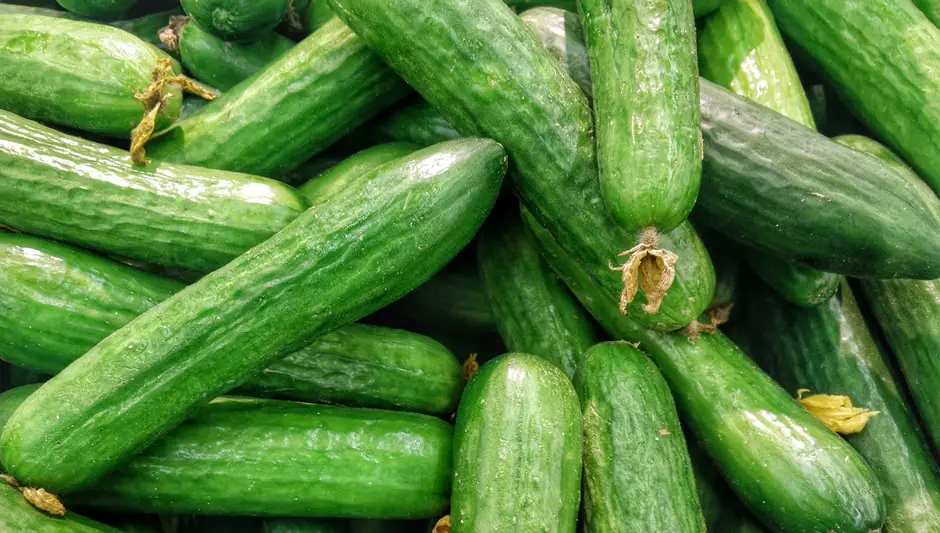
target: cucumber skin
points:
(99, 9)
(549, 138)
(303, 525)
(145, 27)
(16, 514)
(646, 115)
(321, 89)
(634, 450)
(418, 123)
(882, 57)
(930, 8)
(224, 64)
(704, 7)
(534, 311)
(77, 74)
(800, 285)
(280, 296)
(829, 350)
(795, 475)
(336, 178)
(561, 34)
(237, 20)
(67, 188)
(518, 421)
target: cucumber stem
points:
(650, 266)
(442, 525)
(38, 498)
(172, 33)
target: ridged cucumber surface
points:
(337, 177)
(237, 20)
(18, 515)
(561, 33)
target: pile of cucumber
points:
(482, 266)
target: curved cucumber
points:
(704, 7)
(331, 266)
(829, 350)
(418, 123)
(67, 188)
(237, 20)
(99, 9)
(793, 473)
(561, 34)
(931, 8)
(303, 525)
(634, 450)
(321, 89)
(16, 514)
(318, 13)
(78, 74)
(800, 285)
(518, 432)
(337, 177)
(534, 311)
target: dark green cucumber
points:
(704, 7)
(77, 74)
(324, 87)
(17, 515)
(237, 20)
(547, 132)
(98, 9)
(728, 270)
(318, 13)
(883, 57)
(221, 63)
(336, 178)
(561, 34)
(800, 285)
(303, 525)
(418, 123)
(646, 111)
(526, 4)
(171, 215)
(145, 27)
(787, 191)
(386, 233)
(634, 450)
(534, 311)
(829, 350)
(518, 432)
(875, 149)
(931, 8)
(792, 472)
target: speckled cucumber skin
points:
(547, 133)
(829, 350)
(77, 74)
(98, 9)
(644, 73)
(333, 265)
(145, 27)
(518, 433)
(336, 178)
(321, 89)
(634, 450)
(67, 188)
(237, 20)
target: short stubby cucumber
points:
(337, 177)
(99, 9)
(237, 20)
(385, 234)
(70, 189)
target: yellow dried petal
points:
(836, 412)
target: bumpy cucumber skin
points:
(16, 514)
(883, 57)
(644, 73)
(321, 89)
(77, 74)
(931, 8)
(829, 350)
(237, 20)
(793, 473)
(634, 450)
(800, 285)
(98, 9)
(518, 432)
(224, 64)
(385, 234)
(561, 34)
(548, 132)
(336, 178)
(70, 189)
(418, 123)
(789, 184)
(534, 311)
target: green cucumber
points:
(931, 8)
(526, 4)
(646, 113)
(318, 13)
(704, 7)
(518, 433)
(792, 472)
(534, 311)
(442, 47)
(561, 34)
(325, 86)
(17, 515)
(303, 525)
(332, 265)
(78, 74)
(221, 63)
(800, 285)
(829, 350)
(634, 450)
(875, 149)
(145, 27)
(171, 215)
(237, 20)
(728, 269)
(98, 9)
(418, 123)
(336, 178)
(883, 57)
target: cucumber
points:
(883, 57)
(829, 350)
(99, 9)
(237, 20)
(305, 281)
(318, 13)
(561, 34)
(304, 525)
(800, 285)
(518, 433)
(646, 116)
(634, 450)
(322, 88)
(418, 123)
(16, 515)
(171, 215)
(78, 74)
(547, 131)
(534, 311)
(221, 63)
(147, 27)
(728, 269)
(11, 399)
(792, 472)
(704, 7)
(931, 8)
(337, 177)
(526, 4)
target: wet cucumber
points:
(237, 20)
(166, 214)
(98, 9)
(336, 178)
(634, 450)
(333, 265)
(561, 34)
(518, 432)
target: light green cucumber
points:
(337, 177)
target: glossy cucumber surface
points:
(561, 33)
(237, 20)
(336, 178)
(100, 9)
